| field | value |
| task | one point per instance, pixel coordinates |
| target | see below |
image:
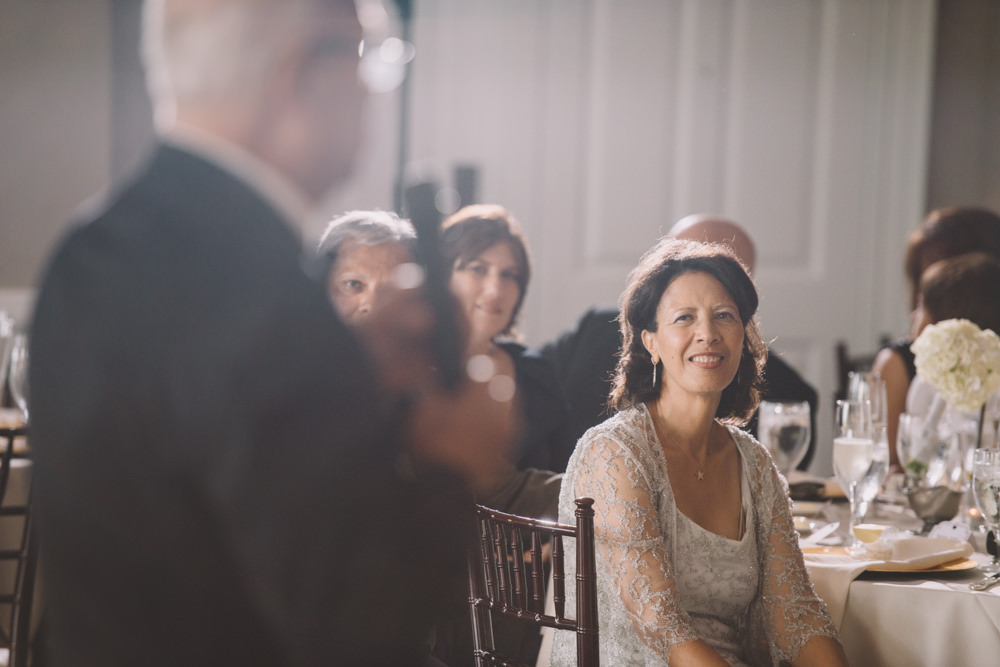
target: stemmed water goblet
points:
(853, 448)
(18, 378)
(784, 430)
(871, 484)
(986, 488)
(869, 386)
(6, 340)
(934, 467)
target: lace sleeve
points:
(792, 612)
(635, 571)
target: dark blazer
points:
(216, 478)
(585, 359)
(546, 442)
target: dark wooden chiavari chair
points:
(507, 576)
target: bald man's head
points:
(710, 228)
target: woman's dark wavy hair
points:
(658, 268)
(963, 287)
(478, 227)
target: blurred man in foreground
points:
(219, 481)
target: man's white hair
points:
(206, 50)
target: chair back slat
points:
(520, 597)
(508, 575)
(501, 566)
(485, 551)
(19, 548)
(537, 574)
(558, 577)
(586, 588)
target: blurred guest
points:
(585, 356)
(490, 275)
(217, 482)
(364, 256)
(698, 560)
(944, 233)
(366, 250)
(963, 287)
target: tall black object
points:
(405, 8)
(423, 212)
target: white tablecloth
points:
(911, 620)
(914, 620)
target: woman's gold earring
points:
(654, 371)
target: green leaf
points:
(918, 468)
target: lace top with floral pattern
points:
(663, 579)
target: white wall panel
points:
(600, 122)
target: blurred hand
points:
(396, 336)
(467, 431)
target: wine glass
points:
(783, 428)
(869, 386)
(6, 340)
(986, 488)
(853, 447)
(18, 379)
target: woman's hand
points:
(695, 654)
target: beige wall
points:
(54, 128)
(964, 166)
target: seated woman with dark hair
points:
(944, 233)
(963, 287)
(490, 275)
(698, 560)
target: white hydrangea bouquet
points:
(962, 362)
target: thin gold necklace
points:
(699, 474)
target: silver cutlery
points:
(987, 583)
(814, 538)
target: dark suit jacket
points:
(585, 360)
(216, 479)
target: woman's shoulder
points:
(623, 437)
(765, 480)
(899, 352)
(626, 427)
(748, 445)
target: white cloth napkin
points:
(833, 571)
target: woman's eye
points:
(682, 318)
(353, 285)
(511, 276)
(478, 269)
(726, 315)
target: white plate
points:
(805, 525)
(807, 507)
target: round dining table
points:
(915, 618)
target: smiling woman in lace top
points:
(698, 561)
